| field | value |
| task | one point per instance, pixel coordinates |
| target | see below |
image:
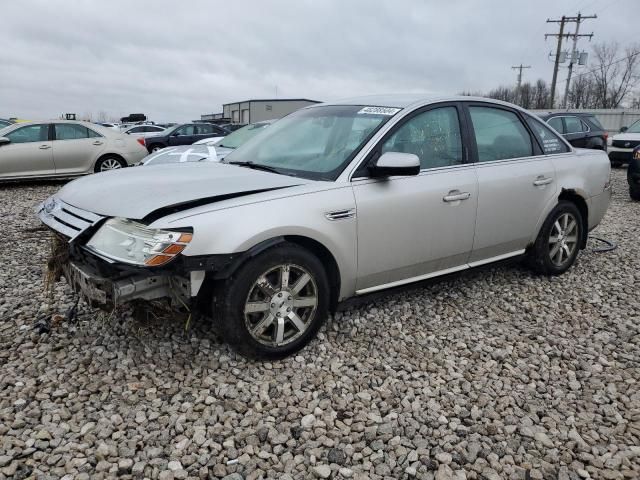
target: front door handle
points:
(45, 147)
(456, 196)
(540, 181)
(97, 142)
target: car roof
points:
(405, 100)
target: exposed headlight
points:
(132, 242)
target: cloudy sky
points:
(176, 60)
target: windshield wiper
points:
(256, 166)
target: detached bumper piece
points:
(107, 294)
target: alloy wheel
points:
(110, 164)
(563, 239)
(281, 305)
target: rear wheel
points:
(275, 303)
(155, 147)
(558, 243)
(108, 163)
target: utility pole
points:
(560, 36)
(574, 52)
(519, 68)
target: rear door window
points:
(556, 124)
(549, 140)
(70, 131)
(499, 134)
(572, 125)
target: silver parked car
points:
(61, 148)
(333, 201)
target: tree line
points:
(609, 82)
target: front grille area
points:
(626, 143)
(66, 219)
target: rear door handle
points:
(45, 147)
(540, 181)
(456, 196)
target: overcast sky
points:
(176, 60)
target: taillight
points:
(141, 141)
(606, 136)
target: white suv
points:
(621, 145)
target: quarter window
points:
(71, 131)
(434, 136)
(549, 140)
(556, 124)
(30, 133)
(499, 134)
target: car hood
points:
(627, 136)
(137, 193)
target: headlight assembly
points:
(134, 243)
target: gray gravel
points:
(497, 374)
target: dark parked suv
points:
(633, 174)
(582, 130)
(184, 134)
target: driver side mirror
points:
(623, 129)
(4, 141)
(395, 163)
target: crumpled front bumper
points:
(106, 293)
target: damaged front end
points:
(109, 262)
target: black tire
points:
(104, 162)
(154, 147)
(236, 291)
(616, 164)
(634, 193)
(540, 258)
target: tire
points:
(155, 147)
(108, 163)
(634, 193)
(616, 164)
(273, 314)
(552, 258)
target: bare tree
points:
(541, 94)
(102, 116)
(614, 77)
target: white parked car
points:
(143, 130)
(63, 148)
(622, 144)
(333, 201)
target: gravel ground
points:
(496, 374)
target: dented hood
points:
(138, 192)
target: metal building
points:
(250, 111)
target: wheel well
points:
(578, 201)
(327, 259)
(110, 155)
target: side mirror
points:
(395, 163)
(4, 141)
(623, 129)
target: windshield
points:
(315, 143)
(634, 128)
(243, 135)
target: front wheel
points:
(558, 243)
(634, 193)
(275, 303)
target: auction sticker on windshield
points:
(380, 110)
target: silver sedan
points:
(61, 148)
(333, 201)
